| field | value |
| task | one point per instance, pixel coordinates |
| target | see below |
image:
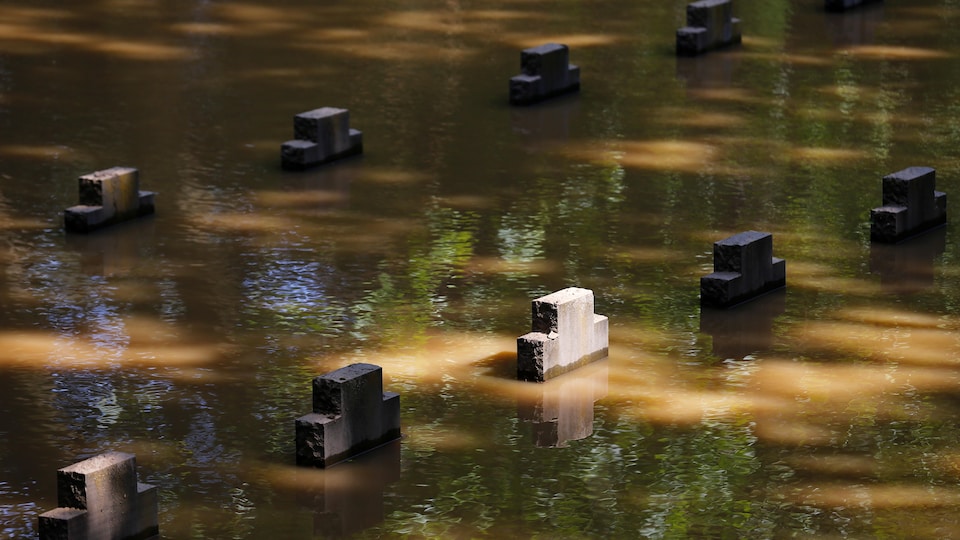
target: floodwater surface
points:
(190, 338)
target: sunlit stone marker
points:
(107, 197)
(843, 5)
(743, 268)
(710, 25)
(320, 136)
(101, 498)
(911, 205)
(547, 72)
(566, 335)
(351, 414)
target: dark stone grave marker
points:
(710, 25)
(320, 136)
(744, 268)
(566, 335)
(351, 414)
(100, 498)
(107, 197)
(547, 72)
(911, 205)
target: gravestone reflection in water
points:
(547, 72)
(561, 410)
(744, 330)
(320, 136)
(107, 197)
(743, 268)
(351, 414)
(710, 25)
(911, 205)
(566, 334)
(843, 5)
(349, 498)
(100, 498)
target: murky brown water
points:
(190, 338)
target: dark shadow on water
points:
(502, 365)
(908, 267)
(114, 250)
(348, 498)
(744, 329)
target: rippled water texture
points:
(190, 338)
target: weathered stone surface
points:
(743, 269)
(547, 72)
(710, 25)
(565, 334)
(107, 197)
(320, 136)
(101, 498)
(911, 205)
(351, 414)
(843, 5)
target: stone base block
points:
(300, 154)
(727, 289)
(85, 219)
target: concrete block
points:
(911, 205)
(320, 136)
(351, 414)
(546, 72)
(101, 498)
(744, 268)
(107, 197)
(710, 25)
(566, 334)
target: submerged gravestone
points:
(911, 205)
(100, 498)
(547, 72)
(351, 414)
(843, 5)
(743, 268)
(566, 334)
(320, 136)
(710, 25)
(107, 197)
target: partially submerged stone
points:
(320, 136)
(911, 205)
(710, 25)
(351, 414)
(547, 72)
(744, 268)
(107, 197)
(566, 335)
(843, 5)
(101, 498)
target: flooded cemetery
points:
(336, 269)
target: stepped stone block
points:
(320, 136)
(710, 25)
(547, 72)
(107, 197)
(100, 498)
(566, 334)
(911, 205)
(744, 268)
(351, 414)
